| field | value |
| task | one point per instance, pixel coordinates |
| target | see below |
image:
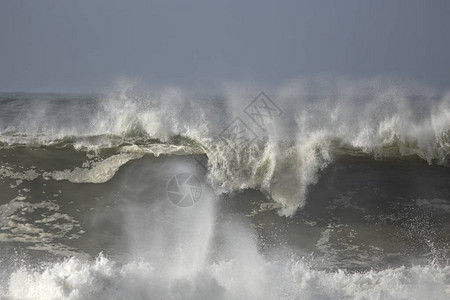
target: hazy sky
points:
(87, 45)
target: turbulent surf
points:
(240, 194)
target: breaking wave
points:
(279, 148)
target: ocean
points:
(242, 194)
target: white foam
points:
(9, 173)
(238, 278)
(16, 227)
(99, 172)
(162, 149)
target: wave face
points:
(240, 195)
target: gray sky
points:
(87, 45)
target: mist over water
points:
(300, 192)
